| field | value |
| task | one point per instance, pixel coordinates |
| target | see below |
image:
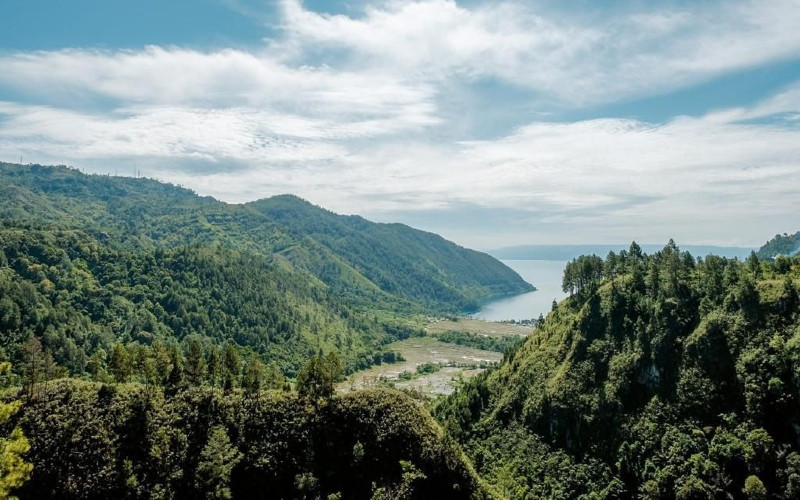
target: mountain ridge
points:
(146, 213)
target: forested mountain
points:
(358, 259)
(400, 260)
(781, 244)
(151, 332)
(90, 261)
(661, 376)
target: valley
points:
(169, 343)
(447, 363)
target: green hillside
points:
(400, 260)
(361, 261)
(80, 297)
(781, 244)
(661, 376)
(90, 261)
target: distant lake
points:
(545, 275)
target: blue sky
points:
(493, 124)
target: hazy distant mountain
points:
(568, 252)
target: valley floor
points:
(451, 362)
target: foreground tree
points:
(14, 471)
(217, 461)
(317, 379)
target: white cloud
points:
(340, 102)
(347, 111)
(575, 57)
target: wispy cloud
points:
(576, 58)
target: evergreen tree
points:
(195, 367)
(274, 379)
(316, 381)
(231, 367)
(32, 364)
(163, 362)
(217, 460)
(214, 371)
(120, 363)
(253, 378)
(175, 380)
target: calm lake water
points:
(545, 275)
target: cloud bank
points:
(363, 113)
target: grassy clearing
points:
(477, 326)
(455, 360)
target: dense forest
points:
(157, 344)
(661, 376)
(92, 440)
(383, 265)
(130, 308)
(87, 262)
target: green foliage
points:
(14, 470)
(781, 244)
(400, 260)
(95, 266)
(390, 265)
(427, 368)
(317, 379)
(90, 440)
(754, 489)
(661, 376)
(217, 461)
(487, 343)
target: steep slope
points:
(781, 244)
(364, 262)
(661, 377)
(403, 261)
(81, 297)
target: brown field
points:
(478, 326)
(420, 350)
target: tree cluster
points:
(662, 376)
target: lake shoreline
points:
(547, 276)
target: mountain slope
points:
(87, 262)
(781, 244)
(81, 296)
(403, 261)
(661, 377)
(362, 261)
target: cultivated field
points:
(478, 326)
(455, 360)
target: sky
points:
(492, 123)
